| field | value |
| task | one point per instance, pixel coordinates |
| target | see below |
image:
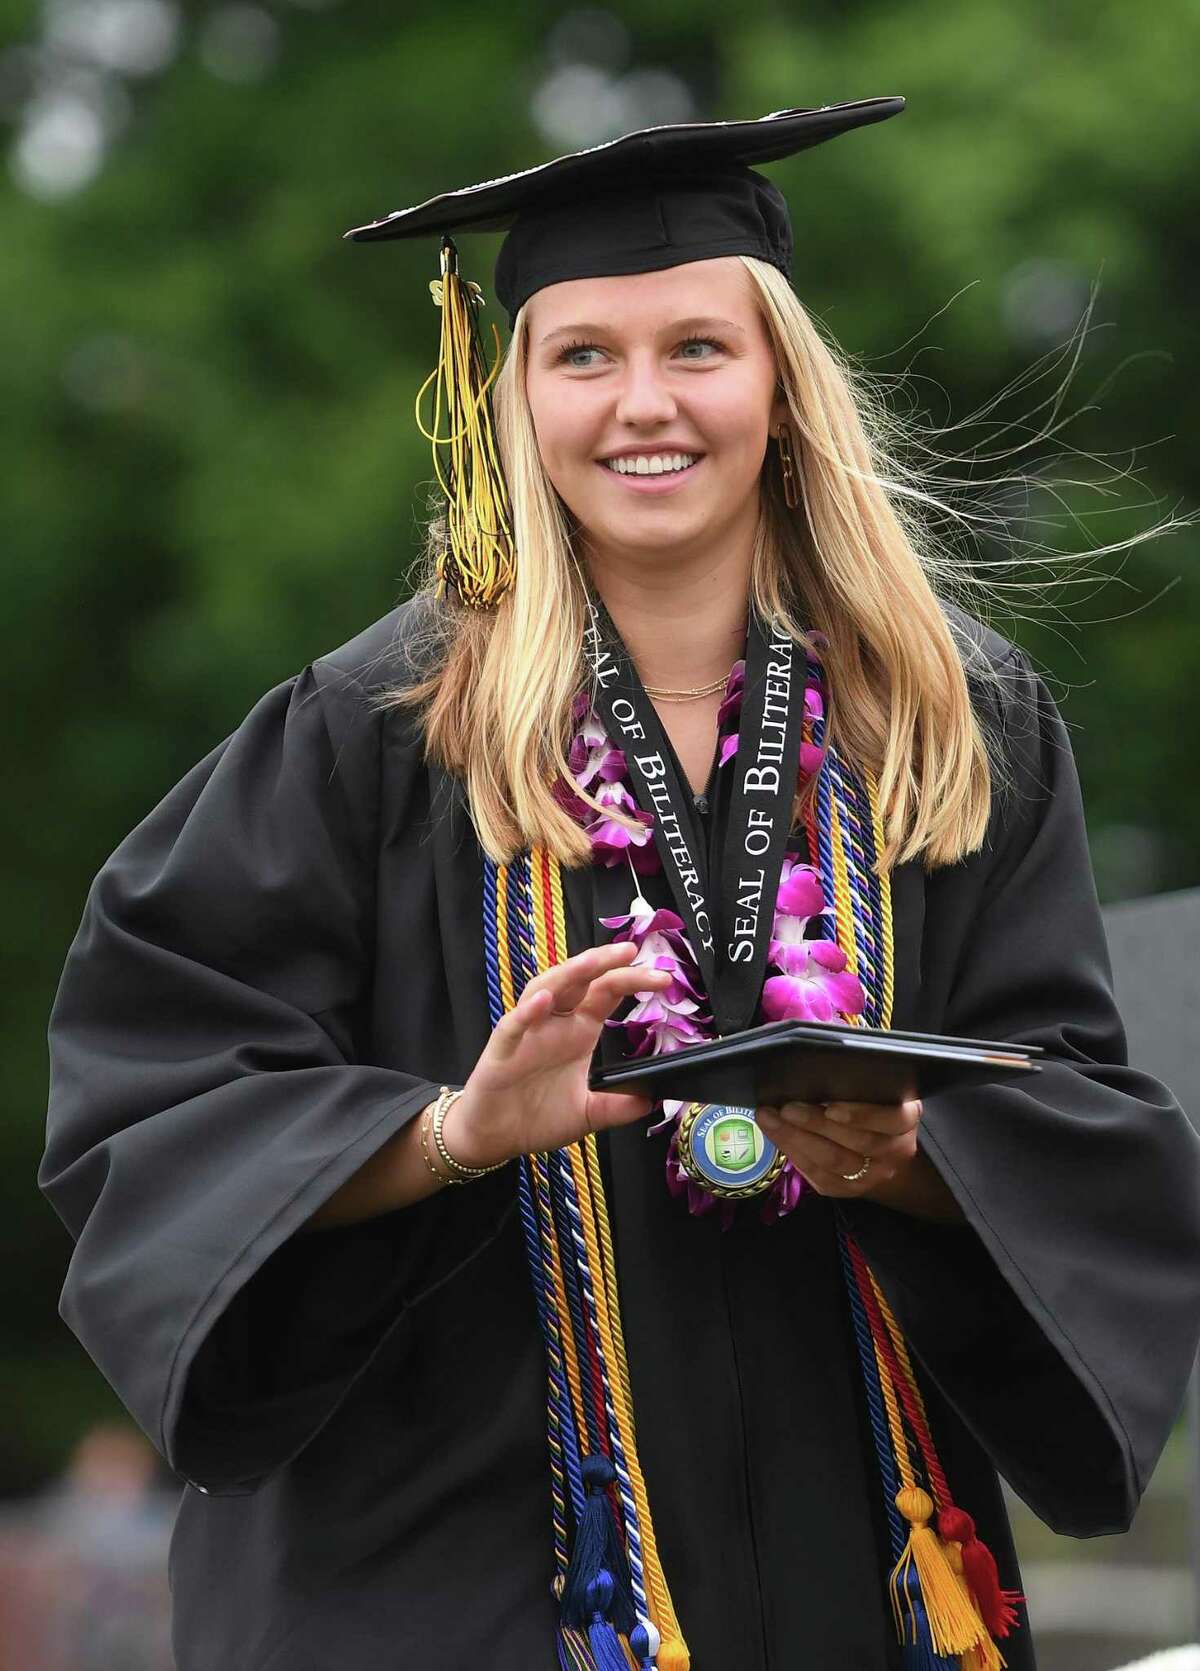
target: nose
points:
(644, 397)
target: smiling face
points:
(673, 367)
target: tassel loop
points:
(478, 559)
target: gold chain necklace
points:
(692, 695)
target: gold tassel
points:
(954, 1622)
(478, 560)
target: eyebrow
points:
(699, 323)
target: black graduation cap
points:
(657, 198)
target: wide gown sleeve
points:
(208, 1094)
(1062, 1320)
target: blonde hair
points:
(856, 561)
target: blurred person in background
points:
(83, 1582)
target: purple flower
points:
(731, 703)
(642, 918)
(657, 1008)
(801, 898)
(662, 1028)
(572, 804)
(811, 758)
(671, 1110)
(682, 985)
(729, 713)
(590, 751)
(811, 755)
(612, 840)
(662, 944)
(789, 943)
(800, 891)
(700, 1201)
(816, 985)
(783, 1196)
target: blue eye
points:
(701, 342)
(567, 354)
(577, 348)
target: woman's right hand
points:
(529, 1089)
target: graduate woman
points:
(464, 1363)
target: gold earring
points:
(787, 464)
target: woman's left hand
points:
(828, 1143)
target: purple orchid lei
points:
(811, 982)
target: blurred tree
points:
(209, 471)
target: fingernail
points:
(797, 1113)
(838, 1113)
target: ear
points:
(780, 411)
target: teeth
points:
(658, 465)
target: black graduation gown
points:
(281, 965)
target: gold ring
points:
(853, 1177)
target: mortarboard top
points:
(656, 198)
(652, 199)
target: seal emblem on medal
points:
(722, 1148)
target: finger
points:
(838, 1187)
(890, 1119)
(833, 1181)
(569, 981)
(861, 1142)
(509, 1032)
(543, 1003)
(615, 1108)
(884, 1119)
(609, 990)
(831, 1160)
(806, 1150)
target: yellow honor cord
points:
(885, 900)
(594, 1225)
(843, 904)
(955, 1625)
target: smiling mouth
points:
(641, 478)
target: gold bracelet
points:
(426, 1120)
(460, 1173)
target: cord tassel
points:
(917, 1652)
(597, 1551)
(602, 1638)
(975, 1572)
(955, 1626)
(997, 1607)
(478, 558)
(644, 1643)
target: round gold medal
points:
(723, 1149)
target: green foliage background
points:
(237, 487)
